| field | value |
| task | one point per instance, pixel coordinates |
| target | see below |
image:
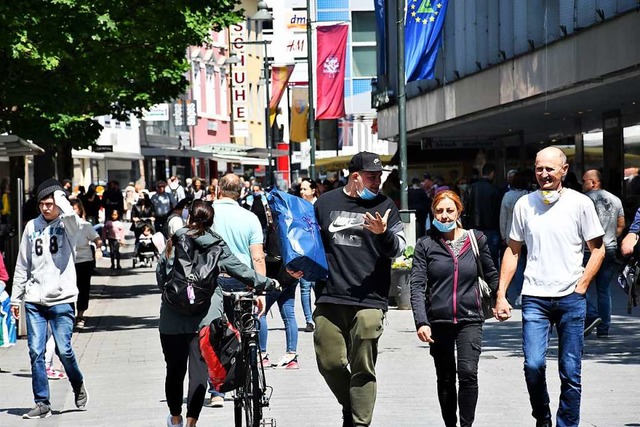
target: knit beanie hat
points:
(48, 187)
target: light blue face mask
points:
(185, 214)
(444, 227)
(366, 194)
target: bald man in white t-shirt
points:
(554, 223)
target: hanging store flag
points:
(423, 33)
(381, 35)
(330, 70)
(299, 131)
(279, 79)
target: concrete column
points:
(613, 152)
(578, 141)
(523, 161)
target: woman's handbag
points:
(487, 299)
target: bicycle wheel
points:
(237, 408)
(252, 399)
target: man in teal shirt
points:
(242, 232)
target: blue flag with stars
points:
(422, 35)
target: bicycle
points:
(254, 393)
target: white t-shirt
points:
(175, 224)
(554, 236)
(86, 235)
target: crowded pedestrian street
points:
(120, 355)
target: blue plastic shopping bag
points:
(8, 327)
(298, 234)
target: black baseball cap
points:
(365, 161)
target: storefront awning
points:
(342, 162)
(88, 154)
(243, 160)
(12, 145)
(173, 152)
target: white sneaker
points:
(170, 424)
(288, 361)
(216, 401)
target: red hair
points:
(447, 194)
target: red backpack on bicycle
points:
(221, 349)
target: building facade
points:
(512, 77)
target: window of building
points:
(195, 82)
(363, 27)
(210, 91)
(364, 61)
(363, 43)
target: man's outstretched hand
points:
(376, 224)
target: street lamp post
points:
(263, 15)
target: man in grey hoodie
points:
(45, 280)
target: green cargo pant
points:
(346, 344)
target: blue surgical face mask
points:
(366, 194)
(444, 227)
(185, 213)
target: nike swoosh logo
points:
(335, 228)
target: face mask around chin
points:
(549, 197)
(366, 194)
(444, 227)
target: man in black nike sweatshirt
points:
(362, 232)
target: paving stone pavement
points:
(119, 353)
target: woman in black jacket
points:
(446, 303)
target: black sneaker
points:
(41, 410)
(544, 423)
(589, 327)
(310, 327)
(81, 396)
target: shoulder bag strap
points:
(476, 251)
(267, 208)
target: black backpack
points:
(192, 280)
(628, 280)
(221, 349)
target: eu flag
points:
(422, 36)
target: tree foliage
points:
(64, 62)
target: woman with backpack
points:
(179, 330)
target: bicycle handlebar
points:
(239, 294)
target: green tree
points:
(64, 62)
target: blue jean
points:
(538, 316)
(286, 300)
(305, 297)
(61, 318)
(600, 291)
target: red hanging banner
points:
(331, 42)
(279, 79)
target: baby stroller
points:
(145, 250)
